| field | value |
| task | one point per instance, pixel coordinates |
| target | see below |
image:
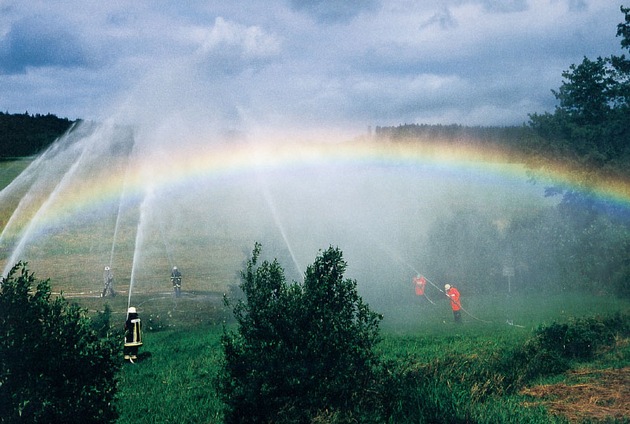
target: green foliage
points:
(504, 136)
(589, 134)
(589, 128)
(553, 347)
(101, 322)
(580, 338)
(474, 248)
(475, 387)
(26, 135)
(586, 255)
(301, 351)
(53, 366)
(175, 383)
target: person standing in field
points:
(176, 279)
(108, 282)
(419, 283)
(133, 335)
(453, 294)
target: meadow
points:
(174, 380)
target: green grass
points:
(174, 382)
(9, 169)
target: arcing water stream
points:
(200, 204)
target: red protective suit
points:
(419, 283)
(453, 294)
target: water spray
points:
(399, 259)
(118, 214)
(27, 174)
(276, 219)
(458, 303)
(139, 240)
(39, 215)
(472, 316)
(434, 285)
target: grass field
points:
(175, 379)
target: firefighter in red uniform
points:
(453, 294)
(419, 282)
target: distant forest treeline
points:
(509, 134)
(25, 135)
(513, 137)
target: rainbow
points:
(225, 160)
(87, 187)
(235, 159)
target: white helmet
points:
(174, 268)
(131, 310)
(106, 268)
(447, 287)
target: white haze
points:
(378, 215)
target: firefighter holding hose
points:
(453, 294)
(108, 283)
(133, 335)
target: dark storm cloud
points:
(35, 42)
(284, 63)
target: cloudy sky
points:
(297, 63)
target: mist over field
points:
(177, 181)
(181, 173)
(102, 196)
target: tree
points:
(300, 350)
(589, 129)
(25, 135)
(53, 366)
(589, 133)
(466, 249)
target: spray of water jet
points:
(167, 246)
(40, 178)
(278, 222)
(41, 212)
(138, 245)
(121, 201)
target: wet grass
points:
(447, 366)
(174, 380)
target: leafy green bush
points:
(301, 352)
(553, 347)
(53, 366)
(464, 387)
(579, 338)
(101, 322)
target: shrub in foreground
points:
(553, 348)
(301, 352)
(53, 366)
